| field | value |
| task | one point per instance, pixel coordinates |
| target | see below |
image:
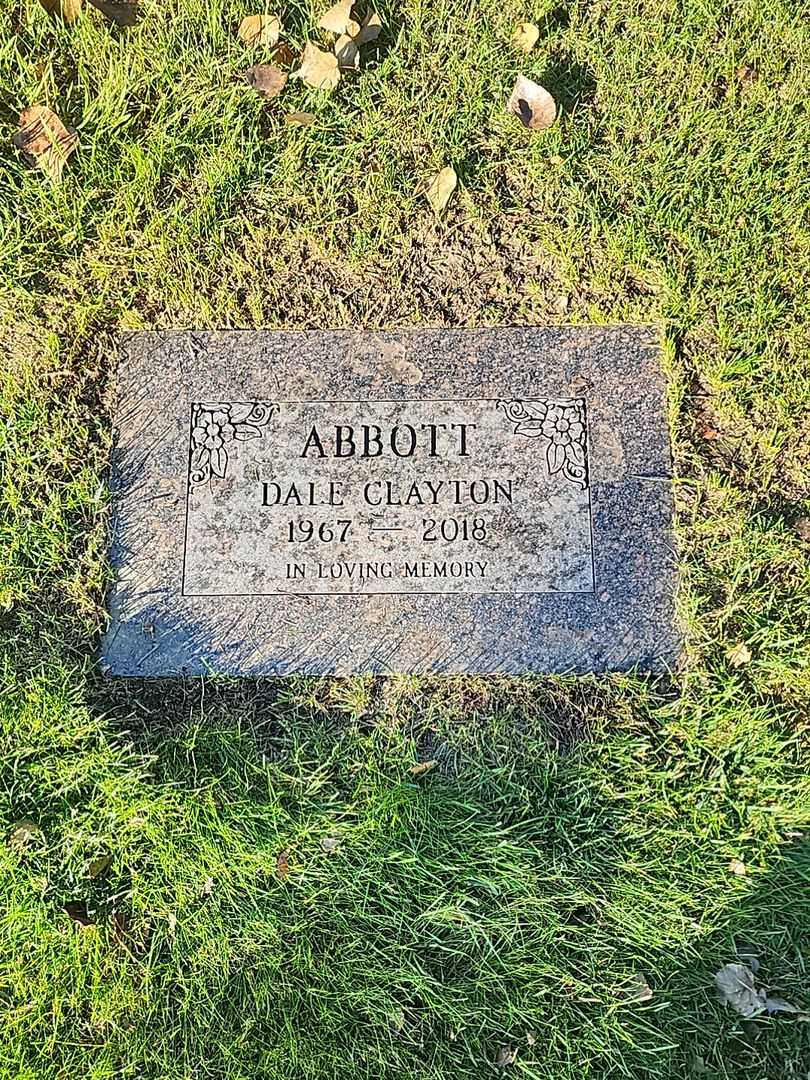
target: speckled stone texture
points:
(488, 501)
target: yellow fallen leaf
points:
(525, 36)
(440, 188)
(337, 18)
(347, 53)
(736, 866)
(738, 655)
(422, 767)
(45, 140)
(532, 103)
(370, 30)
(299, 119)
(319, 69)
(260, 30)
(66, 10)
(23, 834)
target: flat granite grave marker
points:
(420, 501)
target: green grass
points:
(575, 833)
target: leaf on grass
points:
(78, 912)
(440, 188)
(45, 140)
(284, 54)
(506, 1056)
(735, 983)
(66, 10)
(747, 75)
(319, 69)
(525, 37)
(370, 30)
(283, 864)
(337, 18)
(266, 79)
(98, 866)
(737, 867)
(299, 119)
(260, 30)
(121, 12)
(422, 767)
(347, 53)
(23, 834)
(533, 104)
(330, 843)
(640, 989)
(738, 655)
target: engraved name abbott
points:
(562, 424)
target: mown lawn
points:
(267, 890)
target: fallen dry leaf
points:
(533, 104)
(525, 37)
(260, 30)
(319, 69)
(66, 10)
(266, 79)
(421, 768)
(347, 53)
(735, 983)
(299, 119)
(23, 834)
(77, 911)
(506, 1056)
(440, 188)
(738, 655)
(337, 18)
(284, 54)
(45, 140)
(396, 1021)
(747, 75)
(121, 12)
(283, 864)
(640, 989)
(370, 30)
(98, 866)
(737, 867)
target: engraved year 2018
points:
(450, 529)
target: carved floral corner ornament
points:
(562, 425)
(214, 426)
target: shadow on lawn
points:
(513, 755)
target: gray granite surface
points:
(424, 501)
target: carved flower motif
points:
(561, 425)
(214, 427)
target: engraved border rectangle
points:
(398, 592)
